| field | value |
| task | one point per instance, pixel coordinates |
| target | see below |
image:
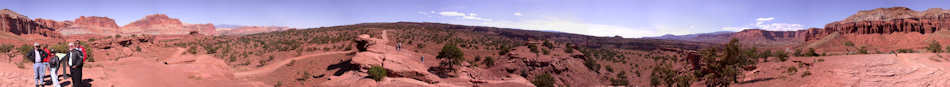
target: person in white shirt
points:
(38, 65)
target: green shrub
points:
(453, 53)
(25, 50)
(6, 48)
(377, 73)
(905, 51)
(798, 52)
(489, 61)
(811, 52)
(806, 73)
(543, 80)
(934, 47)
(571, 50)
(591, 64)
(533, 48)
(545, 51)
(862, 50)
(781, 55)
(620, 80)
(791, 70)
(548, 44)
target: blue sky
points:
(628, 18)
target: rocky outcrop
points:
(18, 24)
(162, 24)
(876, 21)
(96, 22)
(245, 30)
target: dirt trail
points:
(274, 66)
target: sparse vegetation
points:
(620, 80)
(664, 74)
(780, 54)
(6, 48)
(934, 47)
(533, 49)
(452, 53)
(592, 64)
(791, 70)
(548, 44)
(862, 50)
(489, 61)
(806, 73)
(811, 52)
(727, 66)
(377, 73)
(25, 50)
(543, 80)
(905, 51)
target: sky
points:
(627, 18)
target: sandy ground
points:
(177, 70)
(872, 70)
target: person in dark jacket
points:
(77, 57)
(39, 55)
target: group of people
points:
(44, 59)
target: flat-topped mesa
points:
(154, 20)
(96, 22)
(892, 20)
(162, 24)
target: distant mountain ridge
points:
(155, 24)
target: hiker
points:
(77, 55)
(423, 59)
(53, 63)
(398, 46)
(38, 54)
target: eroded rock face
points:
(95, 22)
(162, 24)
(876, 21)
(18, 24)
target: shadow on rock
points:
(343, 67)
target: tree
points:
(727, 69)
(934, 47)
(452, 53)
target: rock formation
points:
(162, 24)
(18, 24)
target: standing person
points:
(38, 54)
(52, 62)
(77, 53)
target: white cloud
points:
(470, 16)
(765, 19)
(517, 14)
(763, 23)
(451, 13)
(568, 26)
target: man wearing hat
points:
(38, 54)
